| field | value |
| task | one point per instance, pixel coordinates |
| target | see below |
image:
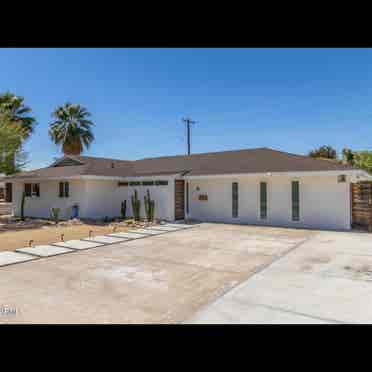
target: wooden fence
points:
(361, 205)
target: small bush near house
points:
(55, 214)
(23, 202)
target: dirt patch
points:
(17, 234)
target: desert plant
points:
(123, 209)
(23, 202)
(136, 206)
(55, 214)
(149, 207)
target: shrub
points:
(55, 214)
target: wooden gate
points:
(361, 205)
(179, 199)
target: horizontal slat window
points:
(295, 201)
(134, 183)
(122, 184)
(263, 200)
(147, 183)
(161, 183)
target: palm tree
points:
(17, 112)
(71, 128)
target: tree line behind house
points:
(358, 159)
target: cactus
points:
(123, 209)
(136, 206)
(23, 201)
(149, 207)
(54, 212)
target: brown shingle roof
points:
(260, 160)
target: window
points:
(28, 188)
(263, 200)
(295, 201)
(147, 183)
(64, 189)
(32, 189)
(235, 199)
(134, 183)
(161, 183)
(35, 190)
(122, 184)
(341, 178)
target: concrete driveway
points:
(325, 279)
(279, 275)
(159, 279)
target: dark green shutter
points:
(235, 199)
(28, 189)
(37, 189)
(295, 201)
(67, 189)
(8, 192)
(263, 200)
(61, 191)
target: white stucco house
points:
(254, 186)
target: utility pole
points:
(188, 122)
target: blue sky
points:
(288, 99)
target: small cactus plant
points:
(55, 214)
(149, 207)
(136, 206)
(23, 201)
(123, 209)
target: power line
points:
(188, 123)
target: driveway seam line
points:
(292, 312)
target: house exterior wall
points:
(96, 199)
(163, 196)
(49, 198)
(324, 203)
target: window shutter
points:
(67, 189)
(37, 189)
(295, 201)
(61, 190)
(28, 189)
(263, 200)
(8, 192)
(235, 199)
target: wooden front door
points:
(179, 199)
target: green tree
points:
(71, 128)
(12, 157)
(363, 160)
(326, 152)
(348, 156)
(20, 114)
